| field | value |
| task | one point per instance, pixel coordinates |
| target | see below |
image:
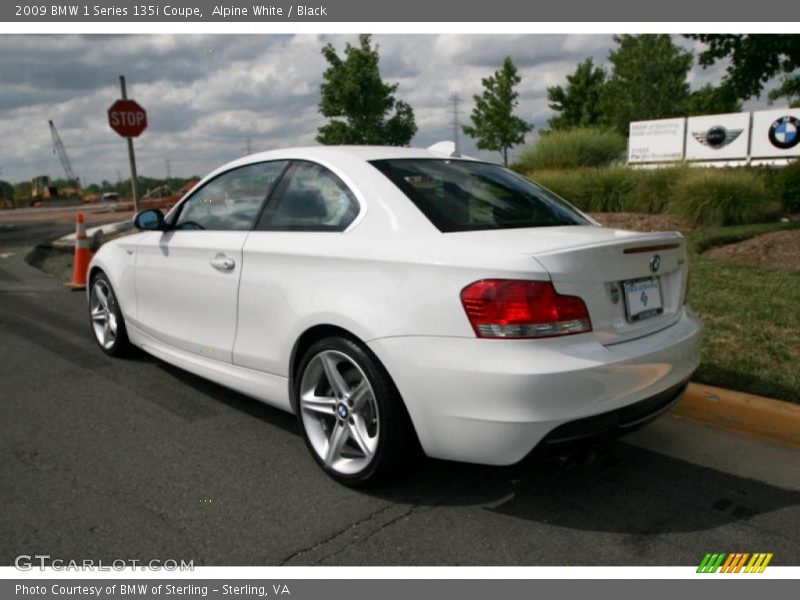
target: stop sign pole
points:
(131, 155)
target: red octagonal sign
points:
(127, 118)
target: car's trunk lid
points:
(632, 283)
(594, 263)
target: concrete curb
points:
(95, 234)
(755, 415)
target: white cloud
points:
(207, 95)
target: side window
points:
(231, 201)
(310, 198)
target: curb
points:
(776, 420)
(96, 234)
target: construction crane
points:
(58, 148)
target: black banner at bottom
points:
(733, 588)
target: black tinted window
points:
(310, 198)
(232, 200)
(460, 195)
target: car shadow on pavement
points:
(627, 490)
(234, 400)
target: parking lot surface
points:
(110, 459)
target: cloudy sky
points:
(206, 96)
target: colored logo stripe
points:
(734, 562)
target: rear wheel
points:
(351, 415)
(108, 325)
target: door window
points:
(232, 201)
(310, 198)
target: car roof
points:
(340, 153)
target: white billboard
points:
(718, 137)
(656, 141)
(776, 133)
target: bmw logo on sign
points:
(784, 133)
(717, 136)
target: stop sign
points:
(127, 118)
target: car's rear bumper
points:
(494, 401)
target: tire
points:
(105, 317)
(350, 412)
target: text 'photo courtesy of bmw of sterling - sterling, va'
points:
(397, 299)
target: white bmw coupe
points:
(394, 298)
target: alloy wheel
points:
(339, 412)
(103, 307)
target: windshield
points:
(462, 195)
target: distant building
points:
(188, 187)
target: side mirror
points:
(151, 219)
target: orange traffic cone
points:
(82, 256)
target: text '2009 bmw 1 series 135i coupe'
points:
(395, 298)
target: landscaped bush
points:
(787, 184)
(704, 196)
(653, 188)
(612, 189)
(582, 147)
(721, 197)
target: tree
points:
(578, 104)
(493, 121)
(648, 80)
(754, 59)
(789, 89)
(358, 102)
(710, 100)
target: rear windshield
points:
(461, 195)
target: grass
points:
(580, 147)
(722, 197)
(703, 196)
(751, 314)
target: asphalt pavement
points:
(110, 459)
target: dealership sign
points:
(776, 133)
(766, 135)
(656, 141)
(718, 137)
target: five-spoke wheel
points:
(351, 415)
(106, 317)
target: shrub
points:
(581, 147)
(721, 197)
(787, 187)
(654, 188)
(600, 190)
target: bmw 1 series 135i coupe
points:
(396, 298)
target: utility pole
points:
(131, 155)
(248, 147)
(455, 98)
(168, 170)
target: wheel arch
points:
(309, 337)
(317, 332)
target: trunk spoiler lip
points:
(653, 248)
(643, 242)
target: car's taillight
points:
(514, 308)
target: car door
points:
(287, 262)
(187, 277)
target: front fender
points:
(117, 259)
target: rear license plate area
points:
(642, 298)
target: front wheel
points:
(351, 415)
(105, 315)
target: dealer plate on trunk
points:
(642, 298)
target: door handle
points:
(223, 263)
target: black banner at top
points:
(194, 11)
